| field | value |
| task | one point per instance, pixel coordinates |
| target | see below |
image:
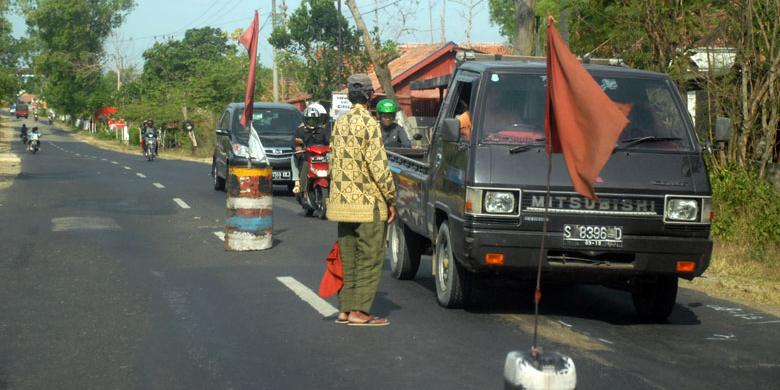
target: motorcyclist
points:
(149, 129)
(313, 131)
(34, 134)
(23, 134)
(393, 135)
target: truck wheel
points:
(452, 281)
(219, 183)
(405, 251)
(654, 301)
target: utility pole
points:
(430, 18)
(275, 71)
(341, 51)
(443, 16)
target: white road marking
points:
(565, 324)
(65, 224)
(220, 235)
(114, 162)
(722, 337)
(181, 203)
(768, 322)
(141, 175)
(158, 185)
(322, 306)
(605, 341)
(104, 159)
(128, 168)
(78, 154)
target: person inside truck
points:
(393, 134)
(464, 117)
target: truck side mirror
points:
(722, 129)
(450, 130)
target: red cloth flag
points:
(581, 121)
(249, 40)
(333, 278)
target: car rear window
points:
(267, 121)
(515, 105)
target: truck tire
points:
(655, 300)
(453, 283)
(219, 183)
(405, 250)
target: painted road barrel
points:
(249, 223)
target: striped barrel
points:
(249, 223)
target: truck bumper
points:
(639, 255)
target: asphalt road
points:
(106, 281)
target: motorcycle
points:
(150, 146)
(35, 142)
(313, 198)
(51, 120)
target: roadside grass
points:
(108, 141)
(10, 164)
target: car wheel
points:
(453, 283)
(219, 183)
(405, 250)
(654, 301)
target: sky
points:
(158, 20)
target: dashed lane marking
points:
(308, 296)
(220, 235)
(141, 175)
(158, 185)
(181, 203)
(114, 162)
(128, 168)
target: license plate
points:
(593, 235)
(280, 175)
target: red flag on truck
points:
(581, 121)
(249, 40)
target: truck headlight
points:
(499, 202)
(680, 209)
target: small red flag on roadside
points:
(249, 40)
(581, 121)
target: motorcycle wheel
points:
(321, 199)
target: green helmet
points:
(388, 106)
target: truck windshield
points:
(268, 122)
(514, 111)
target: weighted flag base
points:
(249, 223)
(554, 371)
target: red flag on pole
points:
(581, 121)
(249, 40)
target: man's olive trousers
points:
(362, 254)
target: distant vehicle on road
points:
(275, 125)
(476, 197)
(22, 110)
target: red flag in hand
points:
(581, 121)
(249, 40)
(333, 278)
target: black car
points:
(275, 124)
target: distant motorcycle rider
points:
(34, 135)
(23, 134)
(313, 131)
(149, 129)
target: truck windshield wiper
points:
(522, 148)
(636, 141)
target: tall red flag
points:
(581, 121)
(249, 40)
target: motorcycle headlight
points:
(681, 209)
(499, 202)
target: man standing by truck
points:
(362, 198)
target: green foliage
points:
(9, 55)
(69, 54)
(747, 208)
(310, 37)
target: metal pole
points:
(275, 71)
(341, 52)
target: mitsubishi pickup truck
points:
(475, 198)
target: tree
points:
(70, 54)
(9, 55)
(516, 20)
(310, 37)
(379, 58)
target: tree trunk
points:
(380, 64)
(525, 27)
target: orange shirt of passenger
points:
(465, 125)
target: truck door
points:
(449, 160)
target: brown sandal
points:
(372, 321)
